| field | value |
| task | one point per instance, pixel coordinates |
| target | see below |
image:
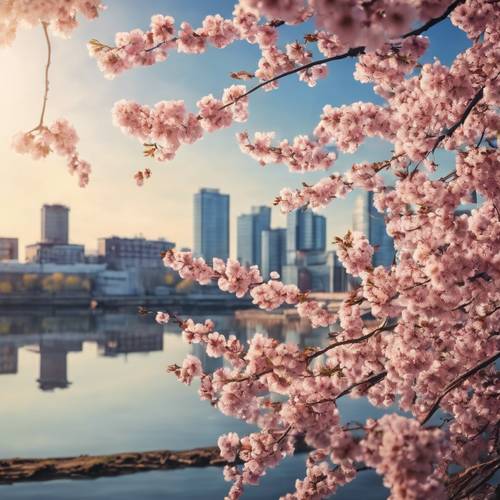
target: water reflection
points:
(120, 334)
(92, 383)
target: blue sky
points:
(112, 203)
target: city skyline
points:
(112, 203)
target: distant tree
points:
(30, 281)
(434, 350)
(6, 287)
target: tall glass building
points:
(306, 231)
(250, 227)
(371, 223)
(273, 251)
(211, 224)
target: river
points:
(94, 382)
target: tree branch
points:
(353, 52)
(45, 27)
(383, 327)
(372, 380)
(435, 20)
(449, 132)
(457, 382)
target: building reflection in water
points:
(54, 362)
(8, 358)
(120, 334)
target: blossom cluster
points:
(61, 138)
(60, 15)
(405, 454)
(302, 155)
(163, 128)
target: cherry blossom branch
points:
(482, 471)
(434, 21)
(352, 52)
(449, 132)
(371, 380)
(457, 382)
(385, 326)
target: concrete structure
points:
(55, 254)
(371, 223)
(337, 280)
(126, 253)
(211, 224)
(55, 224)
(250, 228)
(9, 248)
(273, 251)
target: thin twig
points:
(47, 66)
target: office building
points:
(49, 253)
(273, 251)
(55, 224)
(371, 223)
(9, 249)
(250, 228)
(211, 224)
(126, 253)
(306, 231)
(338, 281)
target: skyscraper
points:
(305, 251)
(55, 224)
(306, 231)
(211, 224)
(250, 227)
(338, 275)
(273, 251)
(371, 223)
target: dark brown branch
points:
(464, 483)
(371, 380)
(383, 327)
(457, 382)
(353, 52)
(434, 21)
(449, 132)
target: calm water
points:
(79, 383)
